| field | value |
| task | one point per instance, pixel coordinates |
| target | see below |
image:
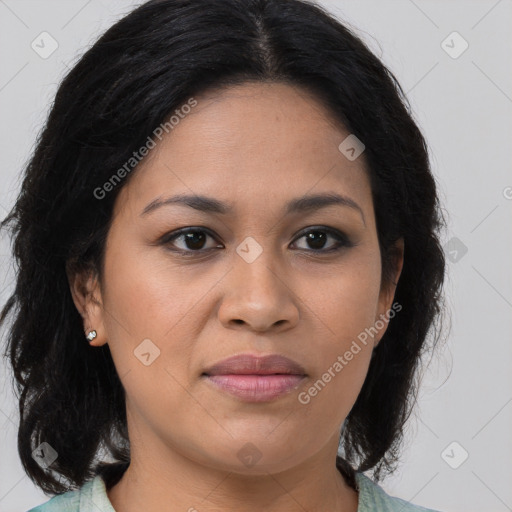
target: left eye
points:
(317, 238)
(194, 239)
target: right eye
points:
(192, 239)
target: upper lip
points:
(248, 364)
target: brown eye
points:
(191, 240)
(317, 240)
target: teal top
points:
(92, 497)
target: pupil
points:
(194, 240)
(316, 237)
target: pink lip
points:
(254, 378)
(256, 388)
(248, 364)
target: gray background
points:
(464, 107)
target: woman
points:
(229, 266)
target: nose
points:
(258, 296)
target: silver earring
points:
(92, 335)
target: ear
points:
(86, 293)
(387, 292)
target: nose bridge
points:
(257, 267)
(258, 294)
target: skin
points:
(256, 146)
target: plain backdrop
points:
(453, 59)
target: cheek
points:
(150, 331)
(343, 308)
(143, 310)
(353, 303)
(346, 301)
(148, 295)
(150, 298)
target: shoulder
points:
(91, 497)
(67, 502)
(373, 498)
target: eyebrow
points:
(299, 205)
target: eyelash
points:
(343, 240)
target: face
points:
(253, 277)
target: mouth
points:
(256, 379)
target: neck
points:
(181, 484)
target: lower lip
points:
(256, 388)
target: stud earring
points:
(91, 335)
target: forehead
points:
(251, 144)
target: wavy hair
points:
(124, 86)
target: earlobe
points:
(86, 295)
